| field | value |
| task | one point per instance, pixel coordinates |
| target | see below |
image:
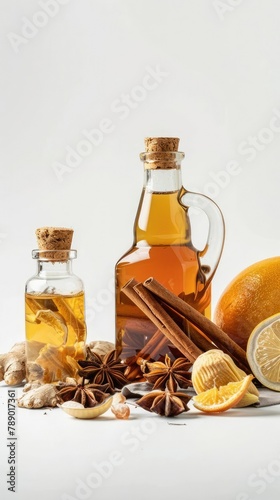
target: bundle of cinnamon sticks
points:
(161, 306)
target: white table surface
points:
(229, 456)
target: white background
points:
(218, 90)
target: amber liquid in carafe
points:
(55, 335)
(163, 250)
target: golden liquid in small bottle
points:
(55, 335)
(163, 251)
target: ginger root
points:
(101, 347)
(12, 365)
(38, 396)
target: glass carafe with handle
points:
(163, 249)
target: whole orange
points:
(252, 296)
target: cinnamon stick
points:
(198, 337)
(129, 291)
(212, 331)
(155, 312)
(158, 340)
(134, 373)
(151, 351)
(166, 325)
(153, 346)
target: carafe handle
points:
(210, 255)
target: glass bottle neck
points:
(161, 219)
(53, 269)
(162, 171)
(162, 180)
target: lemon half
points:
(263, 352)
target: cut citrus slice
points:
(263, 352)
(248, 400)
(224, 398)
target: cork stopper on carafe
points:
(54, 243)
(161, 152)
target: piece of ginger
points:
(36, 395)
(101, 347)
(12, 365)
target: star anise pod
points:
(88, 395)
(165, 403)
(176, 374)
(106, 370)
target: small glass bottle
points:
(163, 249)
(54, 310)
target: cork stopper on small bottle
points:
(161, 144)
(161, 152)
(54, 243)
